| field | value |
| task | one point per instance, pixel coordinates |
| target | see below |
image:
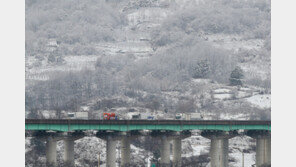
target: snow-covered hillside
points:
(142, 56)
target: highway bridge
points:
(168, 131)
(130, 125)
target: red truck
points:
(110, 116)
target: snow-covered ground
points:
(202, 81)
(27, 144)
(237, 145)
(222, 91)
(195, 146)
(234, 42)
(249, 158)
(230, 116)
(243, 94)
(261, 101)
(223, 96)
(139, 48)
(153, 16)
(72, 63)
(256, 70)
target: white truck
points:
(196, 116)
(188, 116)
(78, 115)
(133, 115)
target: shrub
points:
(201, 70)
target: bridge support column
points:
(165, 152)
(177, 146)
(111, 138)
(51, 152)
(177, 151)
(219, 152)
(111, 152)
(69, 140)
(263, 151)
(69, 152)
(50, 139)
(125, 151)
(166, 137)
(219, 147)
(263, 147)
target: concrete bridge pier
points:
(125, 151)
(69, 140)
(165, 152)
(263, 147)
(263, 151)
(219, 147)
(51, 152)
(111, 152)
(50, 139)
(111, 138)
(219, 152)
(177, 152)
(69, 152)
(177, 146)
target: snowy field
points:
(234, 42)
(261, 101)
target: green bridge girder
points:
(125, 127)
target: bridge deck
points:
(129, 125)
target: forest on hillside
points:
(182, 50)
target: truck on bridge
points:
(110, 116)
(189, 116)
(77, 115)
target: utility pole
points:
(99, 160)
(119, 155)
(243, 159)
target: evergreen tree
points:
(236, 76)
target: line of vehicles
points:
(136, 116)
